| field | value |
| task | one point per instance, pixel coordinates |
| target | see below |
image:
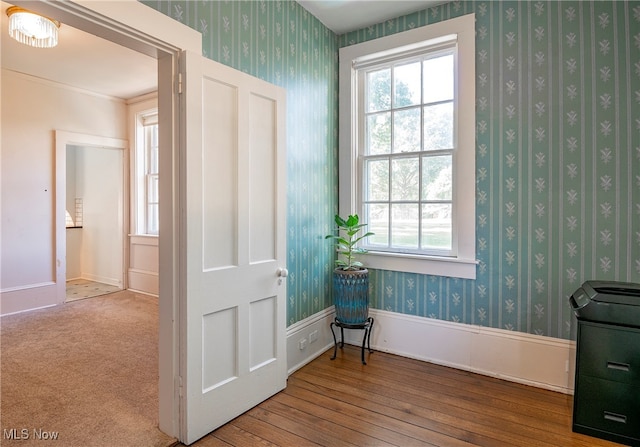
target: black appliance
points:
(607, 383)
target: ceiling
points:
(91, 63)
(341, 16)
(83, 61)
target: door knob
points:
(282, 273)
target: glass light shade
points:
(32, 29)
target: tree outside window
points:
(408, 151)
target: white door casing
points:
(233, 316)
(62, 140)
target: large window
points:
(407, 147)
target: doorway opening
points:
(95, 215)
(91, 214)
(134, 25)
(138, 27)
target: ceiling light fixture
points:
(32, 29)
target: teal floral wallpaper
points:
(557, 156)
(557, 159)
(282, 43)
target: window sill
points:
(144, 239)
(426, 265)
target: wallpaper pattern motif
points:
(282, 43)
(557, 156)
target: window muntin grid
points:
(407, 153)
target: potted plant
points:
(350, 278)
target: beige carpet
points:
(85, 373)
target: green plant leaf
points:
(347, 239)
(340, 222)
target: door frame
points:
(136, 26)
(64, 139)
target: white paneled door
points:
(233, 313)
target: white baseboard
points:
(143, 281)
(31, 297)
(313, 345)
(102, 279)
(543, 362)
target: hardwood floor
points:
(394, 401)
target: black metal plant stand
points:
(367, 325)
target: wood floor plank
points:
(395, 419)
(505, 426)
(278, 435)
(400, 409)
(269, 432)
(411, 434)
(349, 417)
(212, 441)
(342, 435)
(396, 401)
(434, 397)
(486, 387)
(288, 420)
(232, 434)
(472, 392)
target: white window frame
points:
(462, 262)
(147, 121)
(141, 110)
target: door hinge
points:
(179, 84)
(179, 385)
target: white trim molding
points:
(543, 362)
(14, 300)
(308, 339)
(534, 360)
(143, 281)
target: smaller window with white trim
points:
(147, 203)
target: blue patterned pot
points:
(351, 295)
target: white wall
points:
(71, 182)
(31, 110)
(99, 182)
(74, 235)
(143, 264)
(74, 252)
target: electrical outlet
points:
(302, 343)
(313, 336)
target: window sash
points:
(150, 200)
(404, 52)
(420, 200)
(401, 236)
(151, 204)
